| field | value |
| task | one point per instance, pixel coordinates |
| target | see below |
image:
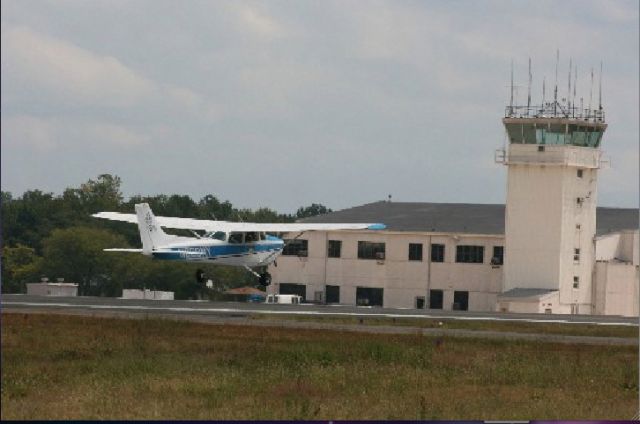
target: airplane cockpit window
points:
(250, 237)
(235, 238)
(218, 235)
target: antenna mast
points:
(529, 89)
(600, 89)
(555, 90)
(569, 89)
(575, 83)
(511, 100)
(590, 93)
(543, 89)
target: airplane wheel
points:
(200, 276)
(265, 279)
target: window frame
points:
(417, 254)
(295, 248)
(441, 250)
(331, 248)
(371, 249)
(469, 254)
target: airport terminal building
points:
(548, 250)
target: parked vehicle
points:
(283, 299)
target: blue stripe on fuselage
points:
(217, 251)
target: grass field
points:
(486, 325)
(71, 367)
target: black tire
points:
(200, 276)
(265, 279)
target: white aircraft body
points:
(242, 244)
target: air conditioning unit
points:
(380, 256)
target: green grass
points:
(505, 326)
(70, 367)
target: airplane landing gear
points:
(265, 279)
(200, 276)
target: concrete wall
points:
(52, 289)
(544, 304)
(146, 294)
(545, 223)
(616, 288)
(402, 280)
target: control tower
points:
(552, 156)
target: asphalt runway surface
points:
(240, 309)
(236, 313)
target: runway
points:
(238, 309)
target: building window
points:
(297, 289)
(415, 251)
(498, 255)
(435, 299)
(333, 248)
(369, 250)
(576, 282)
(470, 254)
(576, 255)
(437, 253)
(369, 296)
(332, 294)
(580, 173)
(296, 248)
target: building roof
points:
(470, 218)
(531, 294)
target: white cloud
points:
(69, 71)
(46, 134)
(257, 21)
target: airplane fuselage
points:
(250, 254)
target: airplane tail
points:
(151, 233)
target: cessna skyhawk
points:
(242, 244)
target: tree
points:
(20, 265)
(313, 210)
(77, 255)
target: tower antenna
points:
(590, 94)
(575, 83)
(543, 90)
(600, 89)
(555, 89)
(529, 89)
(511, 100)
(569, 89)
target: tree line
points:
(50, 235)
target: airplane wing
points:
(226, 226)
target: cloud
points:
(80, 77)
(69, 71)
(24, 132)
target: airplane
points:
(242, 244)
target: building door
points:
(332, 294)
(460, 300)
(299, 289)
(369, 296)
(420, 302)
(435, 299)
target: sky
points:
(286, 103)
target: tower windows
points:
(580, 172)
(576, 282)
(576, 255)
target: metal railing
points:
(555, 110)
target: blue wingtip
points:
(376, 227)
